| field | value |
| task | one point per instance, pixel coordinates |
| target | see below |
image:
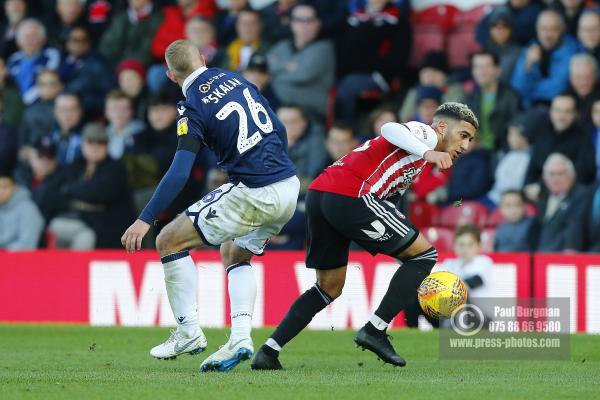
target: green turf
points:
(77, 362)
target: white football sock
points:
(181, 281)
(273, 344)
(378, 323)
(242, 293)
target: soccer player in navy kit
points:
(228, 114)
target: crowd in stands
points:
(88, 115)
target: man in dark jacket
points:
(562, 135)
(493, 102)
(86, 73)
(98, 193)
(587, 237)
(556, 223)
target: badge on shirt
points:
(182, 126)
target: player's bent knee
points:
(333, 288)
(165, 243)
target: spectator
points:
(123, 129)
(588, 33)
(541, 72)
(248, 27)
(501, 42)
(429, 99)
(67, 137)
(339, 142)
(10, 97)
(225, 21)
(583, 85)
(556, 223)
(587, 237)
(524, 14)
(131, 76)
(98, 17)
(305, 142)
(571, 11)
(433, 72)
(378, 117)
(38, 119)
(472, 174)
(14, 12)
(512, 166)
(514, 234)
(277, 18)
(130, 33)
(32, 57)
(175, 19)
(100, 200)
(45, 179)
(69, 14)
(21, 223)
(258, 74)
(372, 52)
(492, 101)
(81, 70)
(562, 135)
(332, 13)
(303, 67)
(595, 135)
(8, 144)
(474, 268)
(201, 33)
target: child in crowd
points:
(512, 167)
(514, 233)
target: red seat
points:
(487, 240)
(469, 212)
(426, 38)
(50, 237)
(441, 238)
(471, 16)
(461, 44)
(422, 214)
(442, 16)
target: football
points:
(441, 293)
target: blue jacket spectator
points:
(81, 68)
(542, 70)
(31, 58)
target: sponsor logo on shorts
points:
(379, 233)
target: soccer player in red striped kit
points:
(347, 202)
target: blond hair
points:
(182, 57)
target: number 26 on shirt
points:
(245, 143)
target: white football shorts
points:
(249, 216)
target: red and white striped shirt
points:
(378, 167)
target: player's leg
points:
(181, 281)
(327, 252)
(418, 258)
(242, 295)
(264, 211)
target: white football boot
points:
(228, 356)
(178, 344)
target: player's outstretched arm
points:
(170, 186)
(400, 135)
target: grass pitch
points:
(77, 362)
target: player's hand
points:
(440, 159)
(132, 238)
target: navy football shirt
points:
(225, 112)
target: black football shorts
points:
(334, 220)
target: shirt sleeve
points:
(414, 137)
